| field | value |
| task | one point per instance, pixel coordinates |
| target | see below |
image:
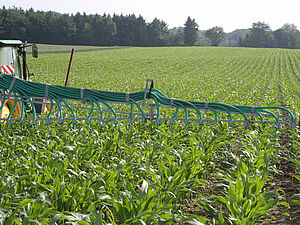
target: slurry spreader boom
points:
(50, 103)
(95, 103)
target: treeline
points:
(130, 30)
(81, 29)
(261, 36)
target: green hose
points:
(60, 94)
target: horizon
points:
(207, 16)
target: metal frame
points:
(149, 116)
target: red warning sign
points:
(7, 69)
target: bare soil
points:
(284, 180)
(288, 183)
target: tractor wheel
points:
(4, 112)
(17, 111)
(8, 105)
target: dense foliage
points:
(55, 28)
(261, 36)
(190, 31)
(123, 176)
(141, 174)
(130, 30)
(216, 35)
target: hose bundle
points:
(21, 89)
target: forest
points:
(131, 30)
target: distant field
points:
(242, 76)
(51, 49)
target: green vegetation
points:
(190, 32)
(216, 35)
(129, 30)
(141, 174)
(229, 75)
(261, 36)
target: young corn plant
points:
(245, 199)
(141, 206)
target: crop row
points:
(234, 76)
(125, 176)
(144, 174)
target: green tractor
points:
(10, 52)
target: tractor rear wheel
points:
(4, 112)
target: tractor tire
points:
(4, 112)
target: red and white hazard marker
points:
(7, 69)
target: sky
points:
(229, 14)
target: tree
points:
(176, 36)
(286, 36)
(216, 35)
(84, 32)
(260, 36)
(297, 40)
(130, 30)
(13, 23)
(65, 29)
(190, 32)
(37, 27)
(140, 34)
(281, 38)
(292, 32)
(157, 33)
(104, 30)
(3, 14)
(233, 38)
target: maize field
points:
(142, 173)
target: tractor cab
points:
(10, 64)
(10, 52)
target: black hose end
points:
(151, 86)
